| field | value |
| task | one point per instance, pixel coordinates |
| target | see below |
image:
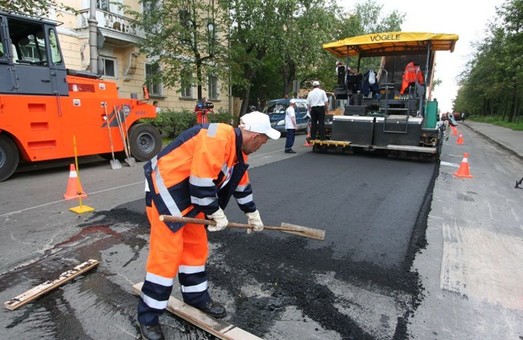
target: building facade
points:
(119, 58)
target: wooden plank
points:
(329, 142)
(219, 328)
(47, 286)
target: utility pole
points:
(93, 41)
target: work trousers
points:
(183, 252)
(318, 122)
(289, 139)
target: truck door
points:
(6, 70)
(56, 64)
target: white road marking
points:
(60, 201)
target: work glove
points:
(221, 220)
(254, 219)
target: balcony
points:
(116, 29)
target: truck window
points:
(2, 53)
(29, 43)
(56, 56)
(3, 43)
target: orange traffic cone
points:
(460, 139)
(74, 187)
(454, 130)
(308, 137)
(307, 143)
(463, 170)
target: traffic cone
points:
(74, 187)
(454, 130)
(463, 170)
(308, 137)
(460, 139)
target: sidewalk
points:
(504, 137)
(471, 269)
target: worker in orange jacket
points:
(411, 75)
(195, 176)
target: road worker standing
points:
(195, 176)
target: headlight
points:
(281, 122)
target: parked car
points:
(276, 110)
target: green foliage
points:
(35, 8)
(185, 38)
(492, 82)
(500, 121)
(172, 123)
(276, 42)
(221, 117)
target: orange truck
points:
(50, 112)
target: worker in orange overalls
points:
(202, 109)
(195, 176)
(411, 75)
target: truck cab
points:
(31, 61)
(45, 107)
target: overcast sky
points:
(467, 18)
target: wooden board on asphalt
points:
(47, 286)
(219, 328)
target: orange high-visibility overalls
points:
(193, 176)
(411, 75)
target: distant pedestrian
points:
(290, 126)
(158, 109)
(317, 103)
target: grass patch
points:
(496, 120)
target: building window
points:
(212, 87)
(103, 5)
(152, 79)
(186, 84)
(109, 67)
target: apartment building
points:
(119, 58)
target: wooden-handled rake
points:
(316, 234)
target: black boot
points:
(153, 332)
(214, 309)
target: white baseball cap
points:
(292, 101)
(315, 83)
(259, 122)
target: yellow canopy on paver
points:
(381, 44)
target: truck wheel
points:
(8, 157)
(145, 141)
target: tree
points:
(185, 38)
(253, 24)
(31, 7)
(281, 42)
(492, 83)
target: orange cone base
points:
(81, 209)
(457, 174)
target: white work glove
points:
(221, 220)
(254, 219)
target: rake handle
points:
(181, 219)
